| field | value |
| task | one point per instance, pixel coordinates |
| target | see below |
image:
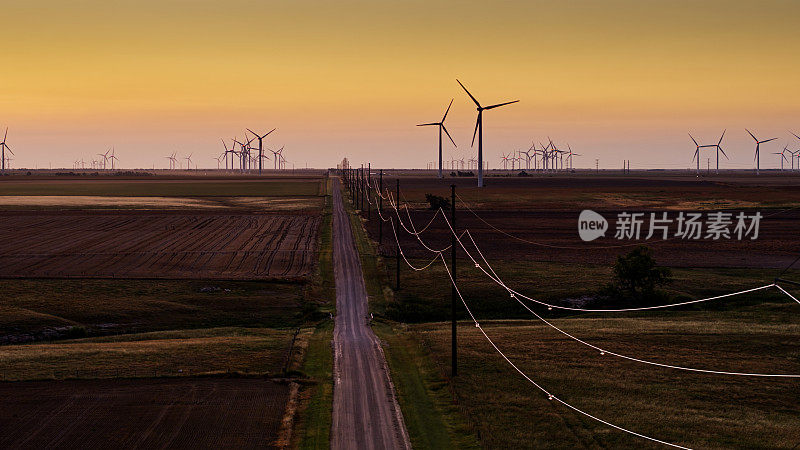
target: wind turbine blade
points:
(751, 134)
(427, 124)
(693, 140)
(798, 137)
(723, 152)
(695, 154)
(248, 129)
(448, 135)
(500, 104)
(720, 138)
(470, 95)
(477, 122)
(448, 109)
(6, 135)
(767, 140)
(270, 131)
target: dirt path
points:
(365, 411)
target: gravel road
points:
(365, 412)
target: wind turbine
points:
(260, 146)
(719, 149)
(479, 129)
(113, 158)
(441, 126)
(758, 146)
(570, 155)
(105, 158)
(3, 148)
(277, 156)
(783, 156)
(696, 155)
(189, 162)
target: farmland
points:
(140, 245)
(178, 413)
(527, 230)
(178, 305)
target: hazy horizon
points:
(616, 80)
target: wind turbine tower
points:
(479, 129)
(260, 146)
(441, 126)
(758, 147)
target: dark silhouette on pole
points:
(397, 253)
(453, 293)
(260, 146)
(441, 127)
(479, 130)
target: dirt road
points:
(365, 411)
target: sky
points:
(617, 79)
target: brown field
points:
(155, 413)
(541, 214)
(145, 245)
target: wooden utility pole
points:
(380, 210)
(397, 205)
(453, 292)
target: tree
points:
(637, 277)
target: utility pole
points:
(397, 253)
(361, 187)
(453, 292)
(369, 166)
(380, 210)
(597, 165)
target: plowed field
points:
(136, 245)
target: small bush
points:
(77, 332)
(437, 202)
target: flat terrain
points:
(538, 216)
(160, 187)
(526, 227)
(156, 413)
(141, 245)
(260, 351)
(157, 311)
(694, 410)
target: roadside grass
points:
(257, 351)
(427, 403)
(151, 188)
(47, 309)
(430, 419)
(696, 410)
(313, 426)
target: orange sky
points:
(616, 79)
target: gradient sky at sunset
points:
(615, 79)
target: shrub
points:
(637, 278)
(437, 202)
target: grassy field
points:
(425, 295)
(696, 410)
(162, 188)
(258, 351)
(43, 309)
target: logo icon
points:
(591, 225)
